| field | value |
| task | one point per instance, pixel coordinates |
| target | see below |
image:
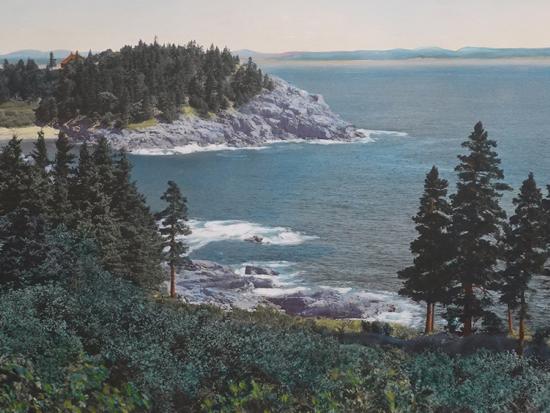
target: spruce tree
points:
(427, 279)
(61, 208)
(142, 253)
(14, 172)
(525, 250)
(477, 222)
(39, 197)
(173, 226)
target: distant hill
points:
(39, 56)
(402, 54)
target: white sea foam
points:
(371, 133)
(193, 148)
(205, 232)
(365, 136)
(279, 292)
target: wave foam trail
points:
(369, 134)
(205, 232)
(193, 148)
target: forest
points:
(133, 84)
(87, 324)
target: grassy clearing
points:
(142, 125)
(16, 114)
(188, 111)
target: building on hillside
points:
(71, 58)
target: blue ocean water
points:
(340, 215)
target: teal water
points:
(340, 215)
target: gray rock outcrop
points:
(285, 113)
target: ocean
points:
(339, 215)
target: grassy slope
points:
(16, 114)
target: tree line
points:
(135, 83)
(469, 255)
(91, 198)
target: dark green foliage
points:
(61, 208)
(13, 176)
(123, 87)
(142, 245)
(477, 225)
(22, 247)
(172, 227)
(525, 252)
(85, 386)
(428, 278)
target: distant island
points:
(404, 54)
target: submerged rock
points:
(285, 113)
(253, 270)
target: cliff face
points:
(286, 113)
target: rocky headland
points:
(285, 113)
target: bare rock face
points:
(285, 113)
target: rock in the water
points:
(253, 270)
(256, 239)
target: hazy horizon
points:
(320, 25)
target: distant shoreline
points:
(496, 61)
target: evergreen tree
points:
(427, 279)
(477, 225)
(172, 226)
(22, 247)
(525, 250)
(14, 173)
(142, 253)
(39, 197)
(61, 207)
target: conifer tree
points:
(142, 253)
(61, 206)
(39, 196)
(427, 279)
(173, 226)
(477, 225)
(525, 250)
(14, 173)
(22, 247)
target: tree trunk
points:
(521, 335)
(510, 322)
(433, 318)
(427, 329)
(468, 296)
(172, 281)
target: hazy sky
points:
(275, 26)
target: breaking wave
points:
(205, 232)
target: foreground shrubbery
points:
(196, 358)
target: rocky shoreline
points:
(285, 113)
(206, 282)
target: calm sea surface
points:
(340, 215)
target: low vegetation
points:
(86, 326)
(15, 114)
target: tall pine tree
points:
(61, 208)
(172, 226)
(14, 172)
(427, 279)
(142, 254)
(525, 247)
(477, 225)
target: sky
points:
(274, 26)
